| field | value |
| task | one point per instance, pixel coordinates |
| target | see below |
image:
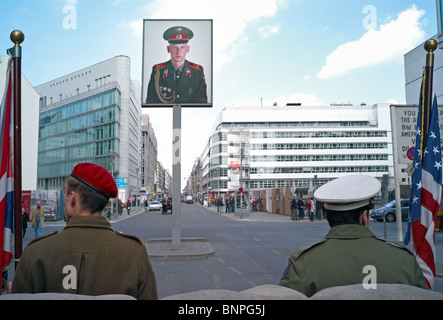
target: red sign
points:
(411, 153)
(235, 165)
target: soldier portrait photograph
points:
(177, 62)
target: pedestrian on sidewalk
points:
(313, 210)
(259, 203)
(301, 208)
(294, 208)
(38, 219)
(25, 220)
(128, 206)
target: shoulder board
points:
(129, 236)
(396, 244)
(160, 66)
(300, 251)
(195, 66)
(41, 238)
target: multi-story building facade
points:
(296, 146)
(160, 182)
(415, 61)
(149, 155)
(91, 115)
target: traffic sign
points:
(121, 182)
(411, 153)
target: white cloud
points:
(231, 18)
(388, 44)
(268, 31)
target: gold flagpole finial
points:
(430, 47)
(17, 37)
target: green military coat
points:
(105, 262)
(164, 87)
(339, 260)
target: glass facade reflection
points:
(83, 131)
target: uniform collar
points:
(88, 221)
(349, 231)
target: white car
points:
(155, 205)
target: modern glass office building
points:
(92, 115)
(85, 130)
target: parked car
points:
(389, 211)
(189, 199)
(155, 205)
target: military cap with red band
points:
(178, 35)
(97, 177)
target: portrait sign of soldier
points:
(177, 81)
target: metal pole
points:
(17, 37)
(396, 176)
(430, 46)
(176, 177)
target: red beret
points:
(97, 177)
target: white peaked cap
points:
(348, 193)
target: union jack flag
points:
(426, 193)
(6, 176)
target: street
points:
(247, 253)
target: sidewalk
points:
(114, 218)
(260, 216)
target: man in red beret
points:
(87, 257)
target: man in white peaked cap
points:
(350, 247)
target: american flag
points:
(426, 193)
(6, 176)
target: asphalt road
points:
(247, 253)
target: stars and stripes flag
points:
(426, 192)
(6, 176)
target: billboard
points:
(177, 63)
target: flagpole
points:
(430, 47)
(17, 37)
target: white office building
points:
(415, 61)
(91, 115)
(297, 146)
(29, 126)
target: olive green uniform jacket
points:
(340, 258)
(87, 258)
(165, 88)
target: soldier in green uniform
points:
(88, 257)
(350, 251)
(177, 80)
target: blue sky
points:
(315, 52)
